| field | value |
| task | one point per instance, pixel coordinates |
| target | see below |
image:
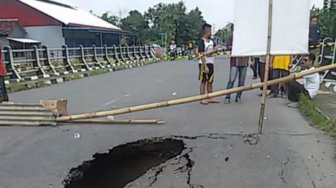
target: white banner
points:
(290, 27)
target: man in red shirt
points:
(3, 73)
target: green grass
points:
(309, 109)
(15, 87)
(98, 72)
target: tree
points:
(225, 32)
(111, 19)
(172, 19)
(135, 22)
(327, 17)
(196, 21)
(175, 21)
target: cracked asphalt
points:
(220, 148)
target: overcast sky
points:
(216, 12)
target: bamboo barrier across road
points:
(191, 99)
(121, 121)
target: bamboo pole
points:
(192, 98)
(122, 121)
(268, 59)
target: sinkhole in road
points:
(123, 164)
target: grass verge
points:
(311, 111)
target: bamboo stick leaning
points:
(121, 121)
(268, 62)
(192, 98)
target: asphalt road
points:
(290, 153)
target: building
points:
(55, 24)
(13, 34)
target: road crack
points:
(283, 169)
(251, 139)
(156, 174)
(188, 166)
(210, 136)
(308, 174)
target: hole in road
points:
(123, 164)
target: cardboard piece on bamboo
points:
(57, 106)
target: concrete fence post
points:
(151, 52)
(66, 59)
(37, 62)
(47, 61)
(121, 50)
(144, 52)
(116, 54)
(147, 52)
(9, 56)
(95, 57)
(128, 53)
(131, 58)
(140, 53)
(82, 59)
(135, 53)
(106, 55)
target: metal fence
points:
(36, 63)
(327, 57)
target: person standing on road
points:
(262, 66)
(311, 83)
(173, 50)
(3, 73)
(206, 49)
(255, 66)
(238, 66)
(190, 50)
(280, 68)
(314, 38)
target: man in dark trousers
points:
(311, 83)
(3, 73)
(314, 38)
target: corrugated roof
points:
(22, 40)
(67, 14)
